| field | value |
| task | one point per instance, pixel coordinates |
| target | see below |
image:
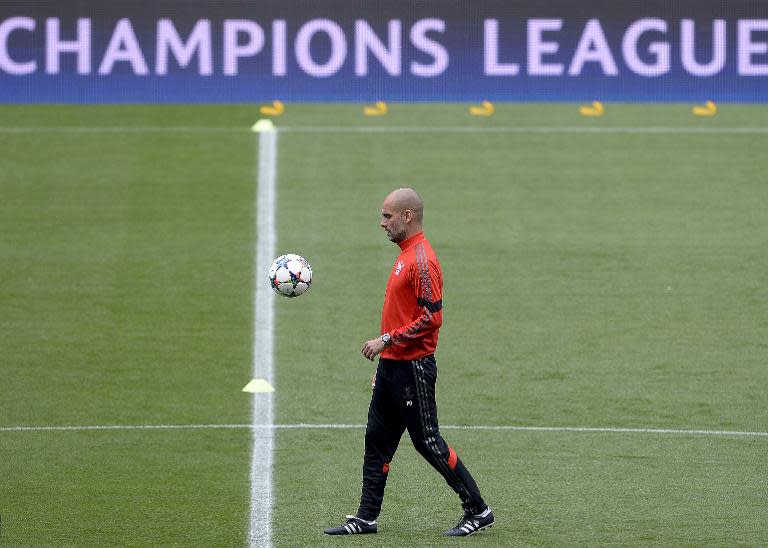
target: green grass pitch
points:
(592, 279)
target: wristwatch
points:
(386, 339)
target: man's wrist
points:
(386, 340)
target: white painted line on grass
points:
(123, 129)
(262, 450)
(311, 426)
(523, 129)
(712, 130)
(91, 427)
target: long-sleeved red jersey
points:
(412, 312)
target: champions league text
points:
(321, 47)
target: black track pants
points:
(404, 397)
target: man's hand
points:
(373, 348)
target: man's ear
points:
(407, 215)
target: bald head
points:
(402, 214)
(403, 199)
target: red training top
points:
(412, 313)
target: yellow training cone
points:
(596, 109)
(485, 109)
(276, 109)
(378, 109)
(258, 385)
(265, 124)
(709, 109)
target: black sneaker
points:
(471, 523)
(354, 526)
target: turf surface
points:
(591, 279)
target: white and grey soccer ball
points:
(290, 275)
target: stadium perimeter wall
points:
(174, 51)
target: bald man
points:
(404, 384)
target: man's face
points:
(393, 222)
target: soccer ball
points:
(290, 275)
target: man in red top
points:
(404, 385)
